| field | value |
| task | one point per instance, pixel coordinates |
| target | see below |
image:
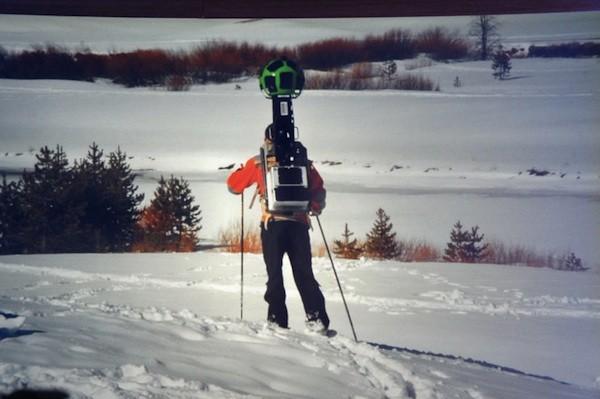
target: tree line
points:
(93, 206)
(464, 246)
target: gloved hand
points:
(315, 210)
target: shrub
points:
(395, 44)
(411, 82)
(420, 62)
(229, 239)
(221, 61)
(153, 234)
(442, 44)
(569, 262)
(347, 248)
(49, 62)
(569, 50)
(419, 251)
(502, 254)
(178, 83)
(326, 81)
(359, 80)
(363, 70)
(140, 67)
(518, 255)
(319, 251)
(328, 54)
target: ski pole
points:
(242, 261)
(337, 279)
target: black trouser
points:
(290, 237)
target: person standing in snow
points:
(283, 233)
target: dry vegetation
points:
(222, 61)
(229, 239)
(342, 80)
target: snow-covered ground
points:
(137, 325)
(118, 34)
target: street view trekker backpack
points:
(284, 159)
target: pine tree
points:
(458, 237)
(124, 201)
(12, 217)
(90, 191)
(347, 248)
(381, 241)
(465, 246)
(571, 262)
(388, 69)
(171, 222)
(52, 217)
(474, 250)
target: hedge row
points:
(221, 61)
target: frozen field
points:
(108, 34)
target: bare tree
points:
(484, 29)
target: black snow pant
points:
(278, 238)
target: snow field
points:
(80, 312)
(122, 34)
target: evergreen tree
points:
(571, 262)
(90, 191)
(347, 248)
(124, 201)
(474, 250)
(171, 222)
(465, 246)
(388, 69)
(52, 217)
(454, 251)
(12, 217)
(381, 241)
(501, 64)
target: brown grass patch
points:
(229, 238)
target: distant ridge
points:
(287, 9)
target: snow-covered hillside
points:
(166, 325)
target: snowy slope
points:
(165, 325)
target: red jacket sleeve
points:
(316, 190)
(246, 176)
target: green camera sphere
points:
(281, 77)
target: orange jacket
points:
(252, 173)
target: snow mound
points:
(10, 323)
